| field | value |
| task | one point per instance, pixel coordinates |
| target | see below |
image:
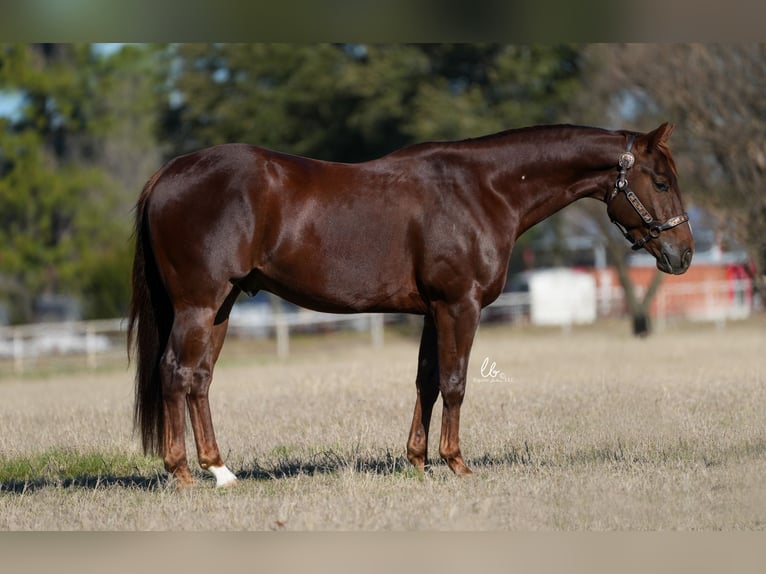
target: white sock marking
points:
(223, 476)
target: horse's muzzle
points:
(674, 260)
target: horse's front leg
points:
(427, 383)
(456, 326)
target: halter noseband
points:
(655, 227)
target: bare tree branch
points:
(715, 93)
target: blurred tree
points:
(353, 102)
(716, 95)
(68, 157)
(301, 99)
(475, 89)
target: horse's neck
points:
(540, 173)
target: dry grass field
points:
(583, 430)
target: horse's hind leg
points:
(199, 407)
(187, 368)
(186, 363)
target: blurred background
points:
(83, 126)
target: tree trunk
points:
(641, 325)
(638, 308)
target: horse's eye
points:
(661, 186)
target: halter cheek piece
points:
(654, 226)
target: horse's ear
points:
(660, 135)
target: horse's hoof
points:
(463, 471)
(419, 462)
(183, 480)
(228, 485)
(224, 478)
(459, 467)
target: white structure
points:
(562, 296)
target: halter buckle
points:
(626, 160)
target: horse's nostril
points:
(686, 258)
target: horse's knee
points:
(453, 389)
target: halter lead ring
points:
(655, 227)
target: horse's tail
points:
(150, 321)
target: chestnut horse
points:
(425, 230)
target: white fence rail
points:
(284, 322)
(717, 301)
(24, 345)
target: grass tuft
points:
(71, 468)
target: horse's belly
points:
(335, 285)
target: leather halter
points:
(655, 227)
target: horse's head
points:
(646, 201)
